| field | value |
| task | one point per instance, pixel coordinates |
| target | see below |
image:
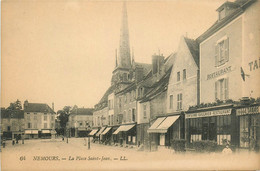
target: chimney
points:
(25, 104)
(53, 106)
(139, 73)
(157, 63)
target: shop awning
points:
(34, 131)
(106, 130)
(162, 127)
(28, 131)
(156, 123)
(46, 131)
(100, 131)
(124, 128)
(93, 132)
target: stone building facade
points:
(39, 120)
(12, 123)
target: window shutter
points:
(226, 42)
(216, 90)
(216, 54)
(226, 88)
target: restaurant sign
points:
(248, 110)
(209, 113)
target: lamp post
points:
(88, 139)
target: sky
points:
(63, 51)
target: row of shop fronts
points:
(237, 125)
(29, 134)
(35, 133)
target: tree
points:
(15, 105)
(63, 116)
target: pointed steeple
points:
(133, 57)
(124, 59)
(116, 58)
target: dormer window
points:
(226, 9)
(222, 14)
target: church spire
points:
(124, 59)
(133, 57)
(116, 58)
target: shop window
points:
(179, 101)
(171, 102)
(195, 126)
(184, 74)
(178, 76)
(223, 129)
(195, 137)
(244, 131)
(221, 52)
(221, 89)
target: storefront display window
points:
(223, 129)
(195, 129)
(244, 131)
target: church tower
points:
(121, 73)
(124, 48)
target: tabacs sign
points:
(209, 113)
(248, 110)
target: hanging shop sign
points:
(209, 113)
(248, 110)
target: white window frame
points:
(184, 78)
(222, 54)
(222, 89)
(144, 111)
(179, 101)
(178, 76)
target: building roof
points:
(38, 107)
(157, 87)
(103, 101)
(193, 46)
(7, 113)
(82, 111)
(146, 67)
(243, 4)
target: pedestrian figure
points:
(13, 141)
(227, 150)
(3, 143)
(17, 139)
(62, 138)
